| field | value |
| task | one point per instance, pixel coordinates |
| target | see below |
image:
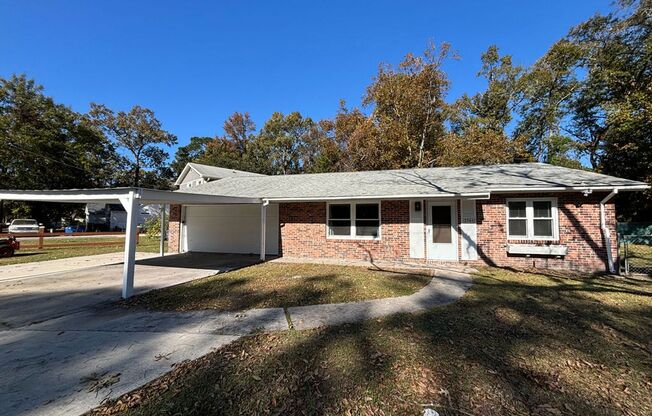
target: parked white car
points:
(23, 226)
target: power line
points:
(44, 157)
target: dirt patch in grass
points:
(146, 245)
(517, 344)
(283, 285)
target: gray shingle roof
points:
(216, 172)
(413, 182)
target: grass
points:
(282, 285)
(517, 344)
(640, 255)
(147, 244)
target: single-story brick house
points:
(520, 215)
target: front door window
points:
(441, 224)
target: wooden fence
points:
(37, 240)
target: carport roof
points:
(115, 195)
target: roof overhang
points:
(441, 195)
(115, 195)
(601, 188)
(463, 195)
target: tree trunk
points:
(137, 175)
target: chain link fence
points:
(635, 248)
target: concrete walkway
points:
(444, 288)
(70, 364)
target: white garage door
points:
(229, 229)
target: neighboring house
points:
(519, 215)
(113, 217)
(195, 174)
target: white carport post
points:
(130, 204)
(162, 248)
(263, 228)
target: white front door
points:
(441, 230)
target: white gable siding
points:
(192, 178)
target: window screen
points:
(339, 219)
(367, 220)
(542, 222)
(517, 219)
(531, 218)
(441, 224)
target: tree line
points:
(586, 103)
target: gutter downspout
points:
(605, 230)
(263, 228)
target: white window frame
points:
(529, 219)
(352, 235)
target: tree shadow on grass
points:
(515, 344)
(233, 292)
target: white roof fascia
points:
(145, 196)
(470, 195)
(474, 195)
(153, 196)
(572, 188)
(71, 196)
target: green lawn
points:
(640, 255)
(149, 245)
(516, 344)
(282, 285)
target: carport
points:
(131, 198)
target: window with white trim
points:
(356, 220)
(532, 219)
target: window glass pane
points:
(542, 209)
(339, 211)
(366, 211)
(441, 234)
(339, 227)
(518, 228)
(517, 209)
(441, 224)
(441, 215)
(367, 228)
(543, 228)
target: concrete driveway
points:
(34, 292)
(65, 345)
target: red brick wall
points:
(303, 233)
(579, 230)
(174, 227)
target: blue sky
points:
(196, 62)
